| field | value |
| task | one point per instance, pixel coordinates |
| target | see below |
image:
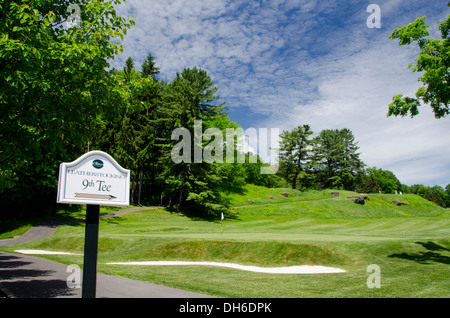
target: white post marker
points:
(95, 178)
(221, 221)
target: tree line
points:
(331, 160)
(59, 99)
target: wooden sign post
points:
(94, 179)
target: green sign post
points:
(90, 251)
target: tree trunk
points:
(141, 177)
(132, 191)
(294, 182)
(179, 202)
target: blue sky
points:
(284, 63)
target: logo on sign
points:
(98, 164)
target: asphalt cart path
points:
(24, 276)
(46, 229)
(36, 232)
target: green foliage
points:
(54, 90)
(369, 185)
(294, 153)
(193, 184)
(330, 160)
(149, 68)
(386, 180)
(131, 136)
(434, 64)
(335, 159)
(58, 100)
(140, 138)
(434, 194)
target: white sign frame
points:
(95, 179)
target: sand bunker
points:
(302, 269)
(42, 252)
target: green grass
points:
(14, 228)
(262, 195)
(410, 243)
(17, 227)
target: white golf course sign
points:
(95, 179)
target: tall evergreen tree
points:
(131, 136)
(351, 165)
(294, 152)
(149, 68)
(194, 183)
(335, 158)
(129, 70)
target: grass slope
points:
(410, 243)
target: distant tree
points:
(386, 179)
(434, 194)
(369, 185)
(439, 191)
(434, 64)
(149, 68)
(447, 195)
(336, 159)
(128, 69)
(294, 153)
(252, 170)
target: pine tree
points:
(335, 158)
(131, 136)
(149, 68)
(193, 184)
(129, 69)
(294, 153)
(369, 185)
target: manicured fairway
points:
(409, 243)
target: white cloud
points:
(291, 62)
(354, 90)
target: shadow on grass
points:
(113, 220)
(205, 212)
(433, 254)
(199, 215)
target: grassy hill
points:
(322, 204)
(409, 242)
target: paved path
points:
(36, 232)
(46, 229)
(24, 276)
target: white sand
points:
(303, 269)
(42, 252)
